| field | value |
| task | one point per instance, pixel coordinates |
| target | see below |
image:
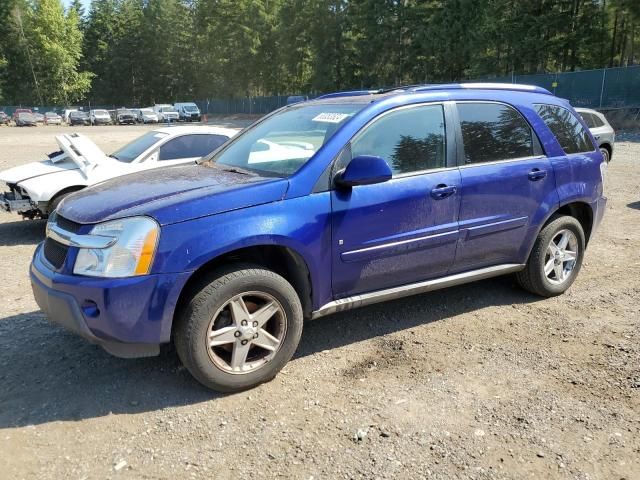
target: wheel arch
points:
(64, 191)
(580, 210)
(282, 260)
(607, 146)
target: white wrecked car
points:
(35, 189)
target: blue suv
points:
(323, 206)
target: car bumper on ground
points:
(9, 203)
(128, 317)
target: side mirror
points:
(364, 170)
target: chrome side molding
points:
(81, 241)
(414, 289)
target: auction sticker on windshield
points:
(330, 117)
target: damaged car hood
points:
(172, 194)
(77, 152)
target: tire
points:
(549, 284)
(605, 154)
(210, 310)
(55, 201)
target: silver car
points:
(601, 130)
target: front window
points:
(283, 143)
(133, 150)
(409, 139)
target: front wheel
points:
(239, 328)
(556, 258)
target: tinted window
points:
(410, 140)
(597, 121)
(588, 119)
(493, 132)
(132, 150)
(569, 132)
(190, 146)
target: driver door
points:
(404, 230)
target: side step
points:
(414, 289)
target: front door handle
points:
(443, 191)
(537, 174)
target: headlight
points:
(131, 255)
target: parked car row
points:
(159, 113)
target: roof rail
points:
(516, 87)
(347, 93)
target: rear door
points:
(403, 230)
(506, 183)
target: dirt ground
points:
(480, 381)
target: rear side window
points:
(569, 132)
(191, 146)
(492, 132)
(588, 119)
(409, 139)
(597, 121)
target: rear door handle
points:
(537, 174)
(443, 191)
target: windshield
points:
(125, 112)
(190, 108)
(133, 150)
(50, 114)
(100, 112)
(146, 111)
(283, 143)
(78, 114)
(167, 109)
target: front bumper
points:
(9, 203)
(128, 317)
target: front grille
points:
(55, 252)
(68, 225)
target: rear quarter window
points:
(567, 129)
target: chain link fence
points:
(605, 89)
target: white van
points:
(165, 112)
(188, 112)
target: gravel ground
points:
(480, 381)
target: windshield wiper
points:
(237, 170)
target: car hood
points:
(76, 152)
(171, 195)
(36, 169)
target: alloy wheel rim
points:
(246, 332)
(561, 257)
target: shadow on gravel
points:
(48, 374)
(634, 205)
(22, 232)
(376, 320)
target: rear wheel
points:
(556, 258)
(605, 154)
(239, 328)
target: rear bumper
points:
(598, 207)
(128, 317)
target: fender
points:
(187, 246)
